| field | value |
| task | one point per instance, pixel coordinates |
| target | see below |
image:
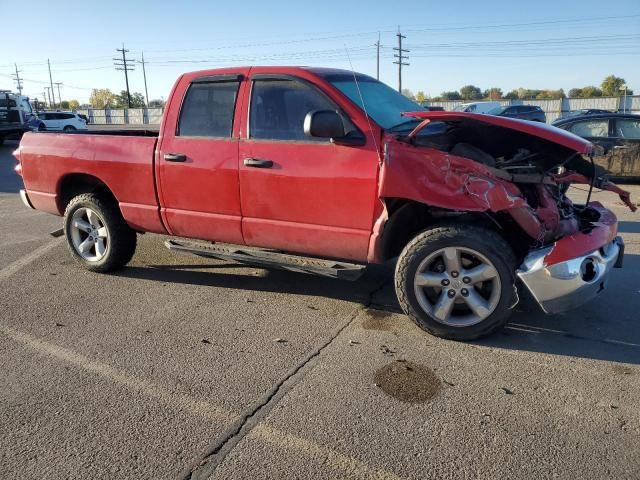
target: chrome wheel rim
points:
(89, 235)
(457, 286)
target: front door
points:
(197, 162)
(303, 194)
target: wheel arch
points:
(407, 218)
(74, 184)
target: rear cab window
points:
(208, 109)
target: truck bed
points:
(123, 162)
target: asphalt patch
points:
(407, 381)
(379, 320)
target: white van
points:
(476, 107)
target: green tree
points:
(512, 95)
(493, 93)
(420, 96)
(121, 101)
(102, 98)
(612, 86)
(74, 104)
(64, 104)
(575, 93)
(591, 91)
(156, 103)
(470, 92)
(450, 96)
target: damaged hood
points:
(536, 129)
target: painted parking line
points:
(149, 389)
(22, 262)
(344, 463)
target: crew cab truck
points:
(325, 171)
(15, 114)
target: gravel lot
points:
(179, 366)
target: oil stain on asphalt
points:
(408, 381)
(379, 320)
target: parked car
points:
(60, 122)
(323, 171)
(581, 112)
(524, 112)
(476, 107)
(618, 134)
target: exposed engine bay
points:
(523, 174)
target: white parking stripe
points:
(172, 399)
(27, 259)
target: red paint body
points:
(319, 198)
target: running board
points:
(271, 259)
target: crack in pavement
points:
(216, 454)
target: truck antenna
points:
(364, 107)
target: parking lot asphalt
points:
(180, 367)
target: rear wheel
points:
(69, 128)
(457, 281)
(97, 235)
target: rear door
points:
(197, 162)
(303, 194)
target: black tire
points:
(42, 127)
(69, 128)
(121, 244)
(484, 241)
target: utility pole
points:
(400, 58)
(144, 74)
(53, 96)
(377, 45)
(57, 84)
(48, 95)
(124, 64)
(17, 79)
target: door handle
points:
(258, 163)
(175, 157)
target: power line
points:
(400, 62)
(124, 64)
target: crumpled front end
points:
(575, 268)
(517, 173)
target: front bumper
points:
(564, 285)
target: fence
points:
(131, 116)
(553, 109)
(560, 108)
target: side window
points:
(207, 110)
(472, 108)
(278, 108)
(593, 128)
(68, 116)
(628, 129)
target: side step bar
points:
(271, 259)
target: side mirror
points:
(324, 124)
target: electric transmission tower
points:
(125, 65)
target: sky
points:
(506, 44)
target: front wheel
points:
(97, 235)
(457, 281)
(69, 128)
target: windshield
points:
(461, 108)
(383, 104)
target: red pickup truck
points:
(325, 171)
